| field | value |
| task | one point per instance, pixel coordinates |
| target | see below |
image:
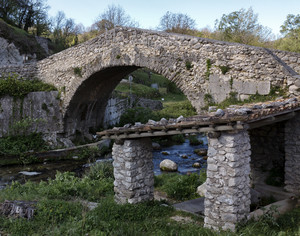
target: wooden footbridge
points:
(233, 118)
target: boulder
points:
(201, 190)
(201, 152)
(165, 153)
(197, 165)
(184, 156)
(168, 165)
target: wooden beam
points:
(271, 120)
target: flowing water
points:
(43, 171)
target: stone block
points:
(249, 87)
(263, 87)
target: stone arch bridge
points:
(86, 74)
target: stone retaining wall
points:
(37, 112)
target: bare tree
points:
(177, 23)
(114, 16)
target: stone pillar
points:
(133, 171)
(292, 155)
(227, 200)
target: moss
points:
(208, 99)
(118, 56)
(231, 82)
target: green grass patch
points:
(20, 87)
(180, 187)
(139, 90)
(176, 109)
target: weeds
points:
(78, 71)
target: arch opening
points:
(88, 108)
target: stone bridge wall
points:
(194, 64)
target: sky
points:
(271, 13)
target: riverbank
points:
(62, 208)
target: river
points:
(43, 171)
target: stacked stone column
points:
(133, 171)
(292, 155)
(227, 200)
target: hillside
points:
(16, 44)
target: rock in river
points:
(168, 165)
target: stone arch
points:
(88, 103)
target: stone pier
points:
(133, 170)
(227, 200)
(292, 155)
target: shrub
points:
(194, 140)
(101, 170)
(19, 87)
(17, 145)
(137, 114)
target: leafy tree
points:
(291, 26)
(25, 14)
(177, 23)
(242, 26)
(291, 31)
(7, 10)
(114, 16)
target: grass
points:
(174, 101)
(60, 210)
(180, 187)
(139, 90)
(176, 109)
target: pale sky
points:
(271, 13)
